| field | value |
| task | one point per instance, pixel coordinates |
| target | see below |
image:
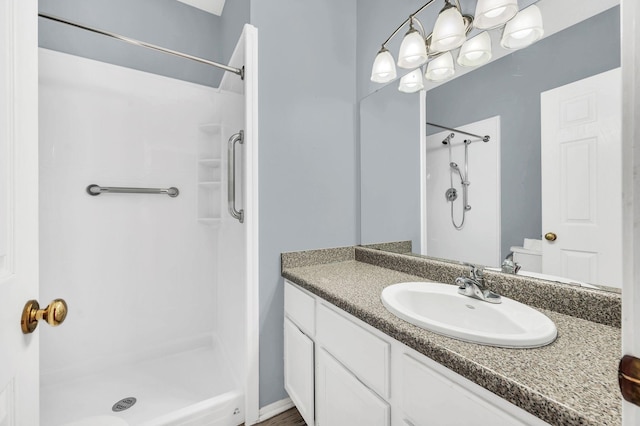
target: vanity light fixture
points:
(440, 68)
(450, 32)
(411, 82)
(413, 50)
(476, 51)
(524, 29)
(384, 68)
(450, 29)
(494, 13)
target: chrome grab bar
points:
(231, 157)
(97, 190)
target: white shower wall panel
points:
(139, 272)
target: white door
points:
(18, 209)
(582, 180)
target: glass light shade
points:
(413, 50)
(475, 51)
(384, 67)
(524, 29)
(493, 13)
(411, 82)
(449, 31)
(440, 68)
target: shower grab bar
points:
(97, 190)
(231, 188)
(238, 71)
(484, 138)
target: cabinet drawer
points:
(364, 354)
(429, 398)
(342, 400)
(300, 308)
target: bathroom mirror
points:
(507, 90)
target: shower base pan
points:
(191, 388)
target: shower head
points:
(455, 167)
(446, 140)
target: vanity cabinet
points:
(341, 371)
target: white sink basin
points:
(439, 308)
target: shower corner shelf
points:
(210, 221)
(210, 162)
(211, 128)
(209, 178)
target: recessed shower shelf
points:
(211, 128)
(210, 162)
(209, 174)
(210, 221)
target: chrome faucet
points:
(473, 286)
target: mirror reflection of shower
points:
(452, 193)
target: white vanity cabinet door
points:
(342, 400)
(299, 370)
(428, 398)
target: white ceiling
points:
(211, 6)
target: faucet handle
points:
(475, 272)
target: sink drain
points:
(123, 404)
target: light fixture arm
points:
(422, 32)
(468, 20)
(407, 20)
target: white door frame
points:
(252, 315)
(630, 22)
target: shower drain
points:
(123, 404)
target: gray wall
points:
(166, 23)
(236, 13)
(307, 149)
(510, 87)
(390, 185)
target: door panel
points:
(582, 180)
(18, 209)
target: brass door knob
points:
(54, 314)
(550, 236)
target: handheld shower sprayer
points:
(455, 167)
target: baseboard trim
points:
(274, 409)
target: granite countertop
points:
(572, 381)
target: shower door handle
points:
(231, 188)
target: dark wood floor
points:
(288, 418)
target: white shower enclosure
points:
(161, 290)
(478, 241)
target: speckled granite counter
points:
(572, 381)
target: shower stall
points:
(159, 278)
